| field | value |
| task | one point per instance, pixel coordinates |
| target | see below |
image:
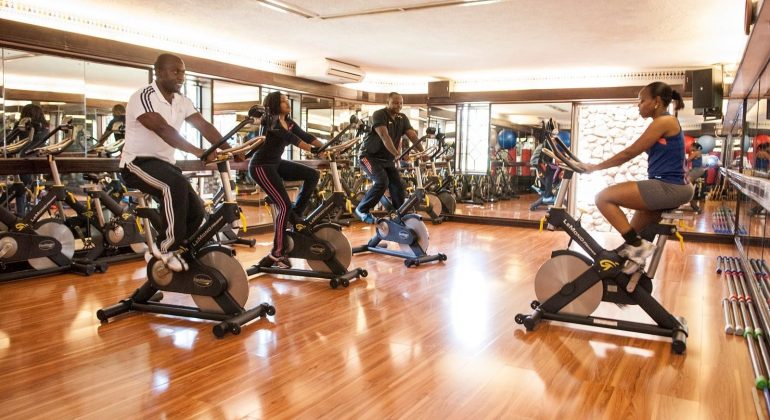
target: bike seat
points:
(91, 177)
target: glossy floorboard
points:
(437, 341)
(690, 221)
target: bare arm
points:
(157, 124)
(382, 131)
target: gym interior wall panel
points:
(602, 131)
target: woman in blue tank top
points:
(667, 186)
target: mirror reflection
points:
(2, 105)
(231, 105)
(47, 85)
(108, 88)
(501, 173)
(752, 217)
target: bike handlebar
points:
(561, 153)
(256, 112)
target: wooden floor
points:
(438, 341)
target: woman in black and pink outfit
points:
(269, 170)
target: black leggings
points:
(270, 177)
(181, 209)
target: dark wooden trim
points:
(34, 95)
(13, 166)
(543, 95)
(67, 44)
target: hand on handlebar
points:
(239, 157)
(210, 158)
(586, 168)
(314, 150)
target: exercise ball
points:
(746, 143)
(708, 143)
(506, 139)
(688, 141)
(565, 137)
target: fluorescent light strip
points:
(287, 8)
(410, 8)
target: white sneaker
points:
(638, 254)
(174, 261)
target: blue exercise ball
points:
(565, 137)
(506, 139)
(747, 141)
(708, 143)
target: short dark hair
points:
(666, 93)
(165, 59)
(392, 94)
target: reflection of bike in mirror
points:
(570, 285)
(214, 279)
(45, 245)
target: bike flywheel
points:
(557, 272)
(343, 251)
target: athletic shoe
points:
(365, 217)
(280, 262)
(638, 254)
(174, 261)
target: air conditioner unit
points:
(329, 71)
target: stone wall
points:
(603, 131)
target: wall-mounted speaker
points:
(707, 89)
(440, 89)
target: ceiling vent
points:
(329, 71)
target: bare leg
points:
(626, 194)
(644, 218)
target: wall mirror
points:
(55, 85)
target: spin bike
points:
(324, 247)
(402, 226)
(570, 286)
(215, 280)
(46, 245)
(109, 230)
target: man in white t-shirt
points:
(154, 116)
